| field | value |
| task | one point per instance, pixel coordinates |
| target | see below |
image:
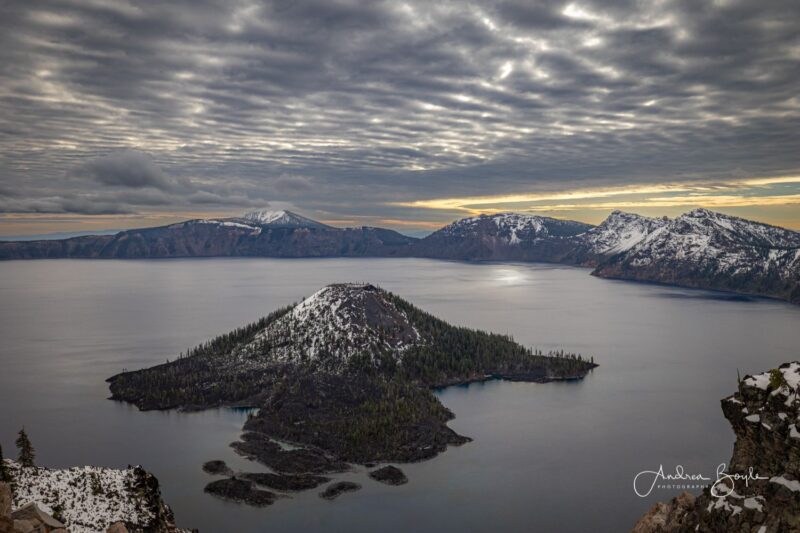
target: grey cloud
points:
(291, 183)
(340, 106)
(126, 168)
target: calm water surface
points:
(546, 457)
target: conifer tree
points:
(5, 473)
(26, 451)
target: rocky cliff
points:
(89, 499)
(764, 414)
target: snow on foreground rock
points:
(764, 414)
(89, 499)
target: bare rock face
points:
(666, 517)
(31, 517)
(6, 522)
(334, 490)
(390, 475)
(764, 416)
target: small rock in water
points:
(340, 487)
(391, 475)
(217, 468)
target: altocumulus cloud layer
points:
(342, 107)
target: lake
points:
(545, 457)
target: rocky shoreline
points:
(261, 489)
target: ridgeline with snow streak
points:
(700, 249)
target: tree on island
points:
(5, 473)
(26, 451)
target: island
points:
(346, 376)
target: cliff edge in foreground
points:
(764, 416)
(86, 499)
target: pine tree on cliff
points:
(26, 452)
(5, 474)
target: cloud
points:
(290, 183)
(126, 168)
(343, 107)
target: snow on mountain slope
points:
(333, 325)
(729, 230)
(281, 218)
(711, 250)
(514, 228)
(620, 232)
(721, 243)
(89, 498)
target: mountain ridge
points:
(698, 249)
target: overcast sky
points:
(404, 114)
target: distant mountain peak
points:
(267, 217)
(702, 212)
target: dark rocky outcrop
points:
(764, 416)
(334, 490)
(390, 475)
(667, 517)
(241, 491)
(285, 482)
(217, 468)
(260, 446)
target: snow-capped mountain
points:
(710, 250)
(281, 218)
(259, 234)
(502, 236)
(700, 249)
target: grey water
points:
(557, 457)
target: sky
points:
(402, 114)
